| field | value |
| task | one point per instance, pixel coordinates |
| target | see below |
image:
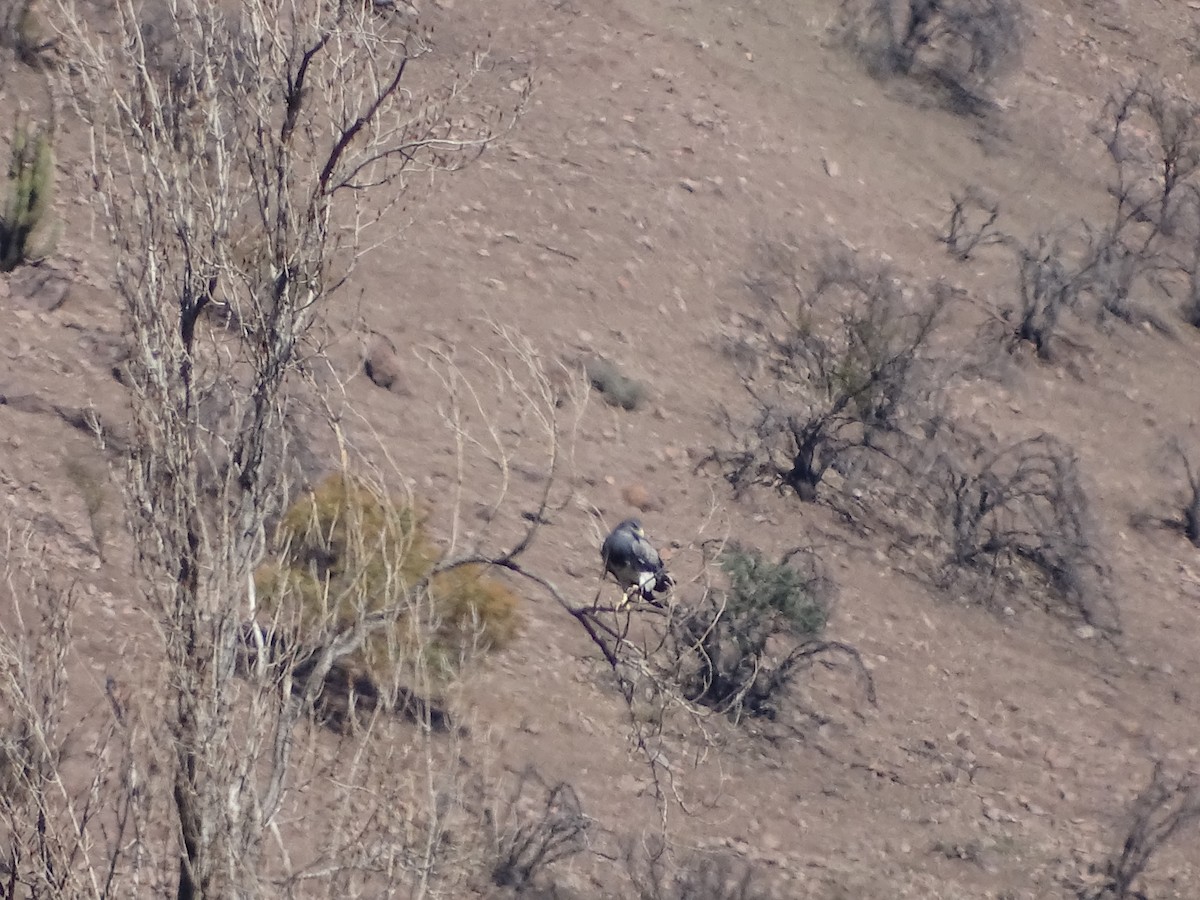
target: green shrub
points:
(347, 551)
(27, 195)
(739, 650)
(762, 588)
(617, 388)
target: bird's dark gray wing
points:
(645, 556)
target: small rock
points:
(639, 497)
(382, 366)
(1085, 632)
(832, 169)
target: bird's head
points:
(633, 526)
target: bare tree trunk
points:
(271, 123)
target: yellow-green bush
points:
(473, 609)
(347, 550)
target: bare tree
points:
(656, 874)
(236, 187)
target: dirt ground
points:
(662, 143)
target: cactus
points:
(27, 200)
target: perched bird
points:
(633, 561)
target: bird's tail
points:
(655, 583)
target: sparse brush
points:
(1018, 519)
(655, 875)
(1189, 504)
(964, 46)
(617, 388)
(1049, 284)
(539, 825)
(27, 197)
(843, 370)
(1167, 807)
(972, 224)
(1153, 137)
(349, 552)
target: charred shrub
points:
(972, 224)
(1167, 807)
(1182, 461)
(962, 46)
(1017, 519)
(1049, 285)
(538, 826)
(1152, 135)
(654, 875)
(833, 365)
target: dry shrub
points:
(1168, 807)
(1050, 283)
(538, 826)
(474, 608)
(972, 224)
(1017, 521)
(1184, 466)
(348, 551)
(962, 46)
(835, 368)
(655, 874)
